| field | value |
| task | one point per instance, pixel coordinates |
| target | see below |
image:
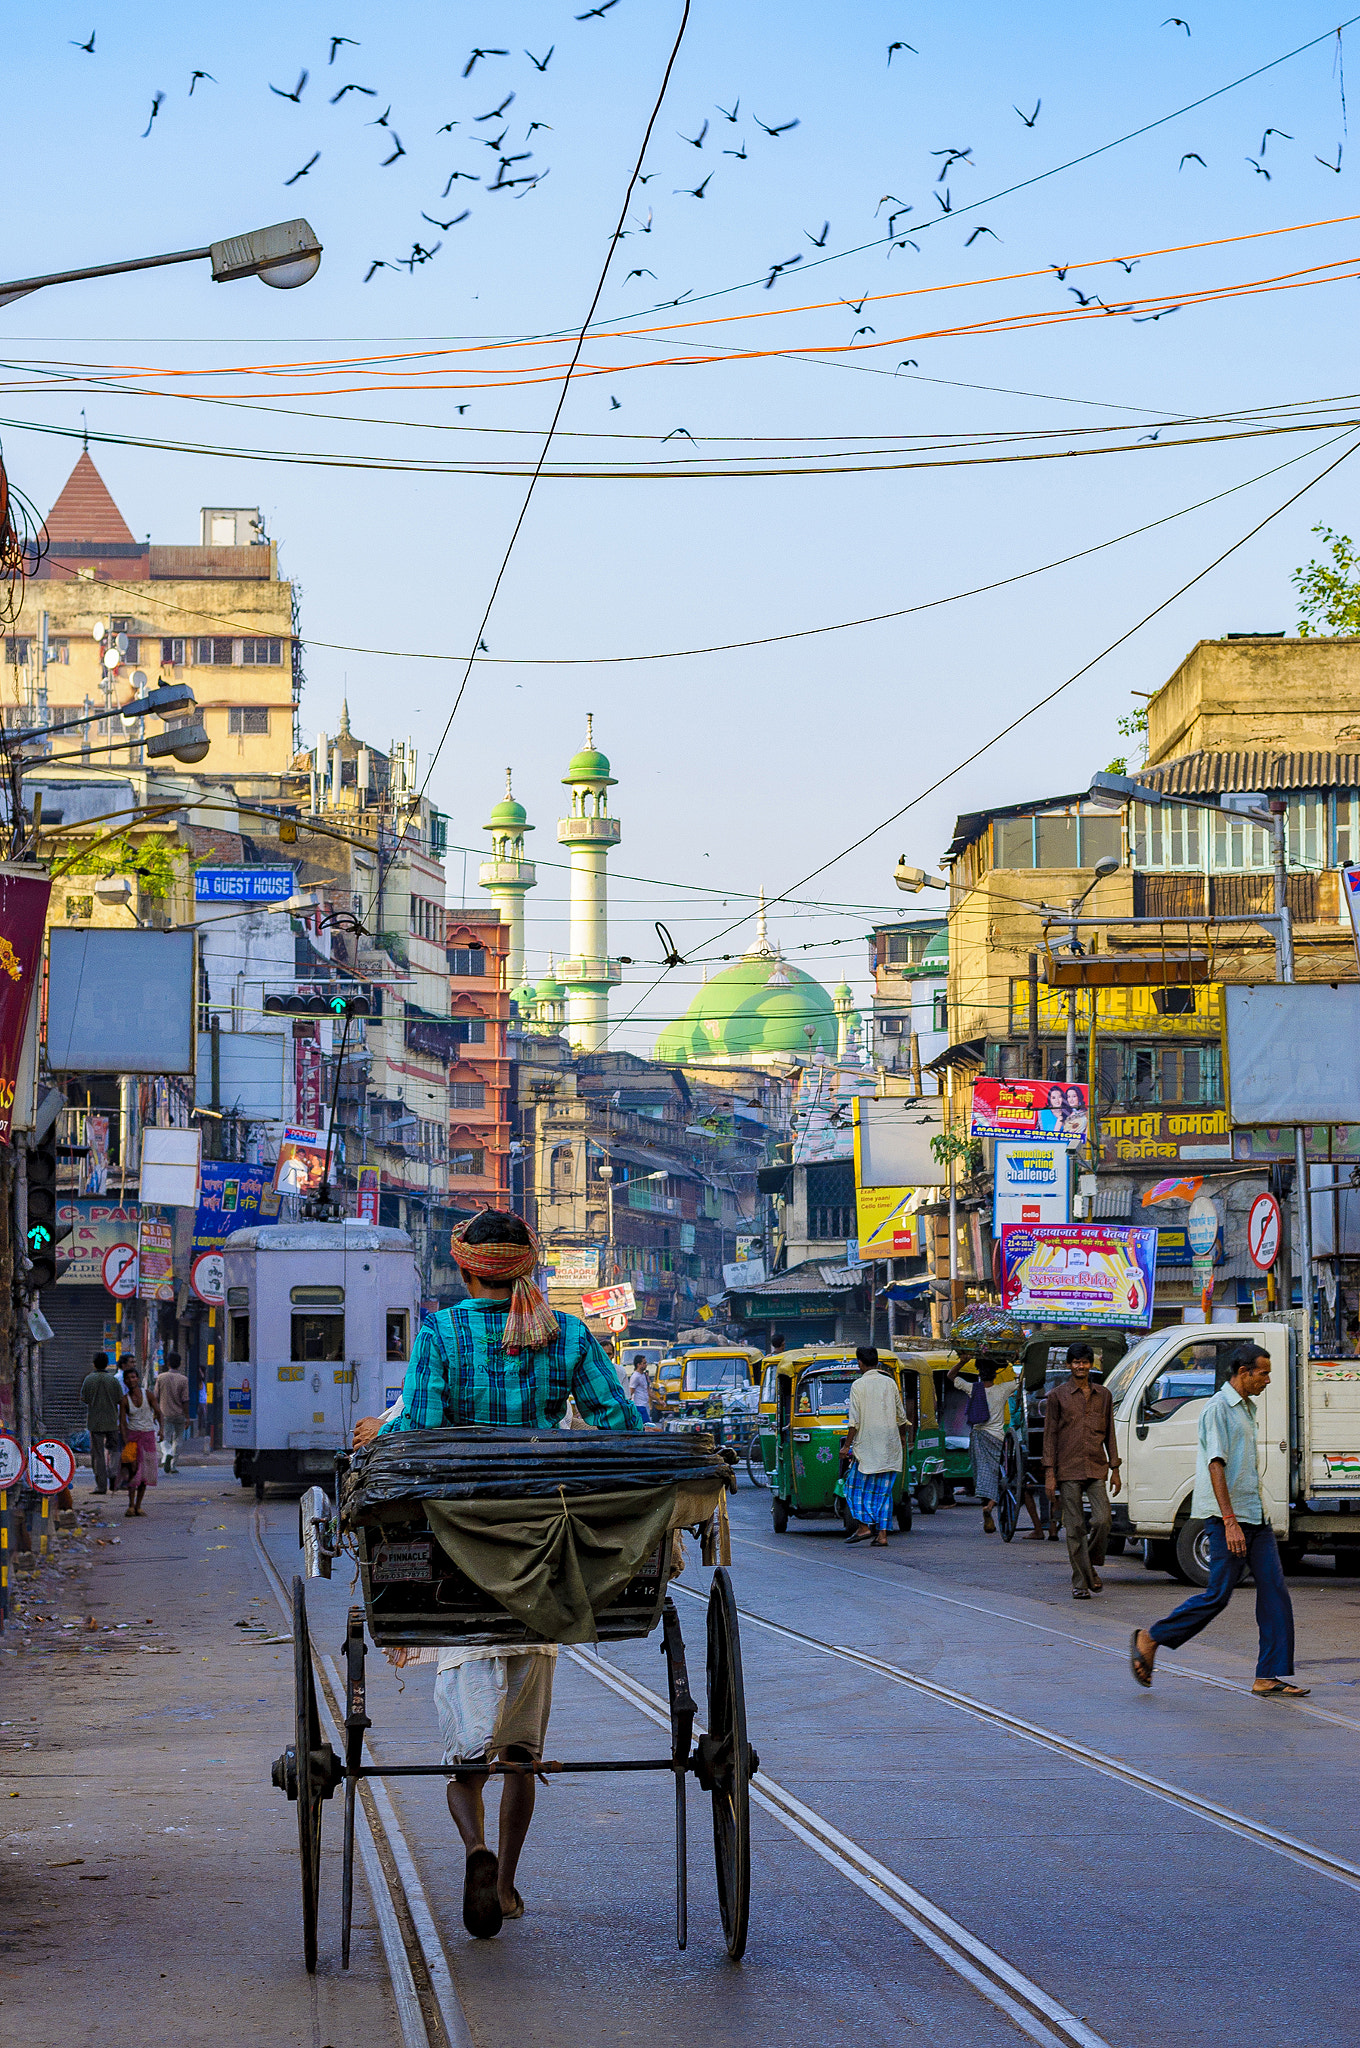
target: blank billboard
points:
(894, 1140)
(120, 1002)
(1291, 1052)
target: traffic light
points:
(336, 1004)
(44, 1232)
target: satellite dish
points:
(120, 642)
(111, 659)
(97, 630)
(139, 679)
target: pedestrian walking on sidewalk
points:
(876, 1440)
(1227, 1499)
(170, 1397)
(138, 1419)
(103, 1399)
(1079, 1450)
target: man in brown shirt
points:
(1079, 1448)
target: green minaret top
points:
(508, 815)
(590, 765)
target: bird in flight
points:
(895, 216)
(893, 47)
(782, 129)
(1127, 267)
(678, 430)
(380, 120)
(487, 142)
(1061, 270)
(1082, 299)
(614, 405)
(981, 231)
(732, 115)
(1028, 119)
(1274, 131)
(295, 95)
(418, 255)
(482, 53)
(819, 241)
(863, 330)
(1151, 437)
(445, 225)
(951, 157)
(158, 101)
(1259, 169)
(695, 141)
(1192, 156)
(597, 13)
(315, 157)
(697, 192)
(945, 203)
(906, 243)
(777, 268)
(1141, 321)
(546, 125)
(639, 273)
(194, 78)
(496, 112)
(88, 48)
(398, 151)
(856, 309)
(337, 42)
(369, 91)
(739, 154)
(907, 363)
(471, 176)
(1174, 21)
(376, 264)
(540, 66)
(1329, 166)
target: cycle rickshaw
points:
(1041, 1366)
(425, 1513)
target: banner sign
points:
(96, 1226)
(884, 1228)
(307, 1079)
(1030, 1109)
(1175, 1135)
(243, 885)
(155, 1258)
(301, 1161)
(608, 1301)
(575, 1269)
(230, 1197)
(366, 1194)
(23, 911)
(1098, 1274)
(1031, 1182)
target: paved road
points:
(1143, 1919)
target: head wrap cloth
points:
(531, 1324)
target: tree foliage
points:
(1329, 592)
(150, 860)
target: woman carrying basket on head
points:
(500, 1359)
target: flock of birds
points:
(511, 164)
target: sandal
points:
(515, 1912)
(861, 1534)
(1284, 1687)
(880, 1542)
(1140, 1665)
(988, 1524)
(482, 1914)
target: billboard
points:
(608, 1301)
(1289, 1052)
(578, 1268)
(1030, 1109)
(883, 1226)
(822, 1098)
(231, 1197)
(120, 1002)
(1032, 1182)
(1101, 1275)
(96, 1226)
(23, 908)
(892, 1141)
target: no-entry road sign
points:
(51, 1466)
(1263, 1231)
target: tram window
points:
(396, 1333)
(238, 1336)
(238, 1297)
(318, 1339)
(318, 1297)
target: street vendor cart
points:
(514, 1537)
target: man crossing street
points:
(1079, 1449)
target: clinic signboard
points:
(1031, 1183)
(1029, 1109)
(1095, 1275)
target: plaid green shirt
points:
(460, 1376)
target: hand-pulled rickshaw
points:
(1041, 1366)
(517, 1536)
(811, 1417)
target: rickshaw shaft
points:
(505, 1770)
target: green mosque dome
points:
(508, 815)
(758, 1006)
(936, 954)
(590, 765)
(524, 999)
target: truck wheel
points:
(1348, 1564)
(1159, 1555)
(779, 1515)
(1191, 1552)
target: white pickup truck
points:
(1308, 1437)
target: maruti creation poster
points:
(1030, 1109)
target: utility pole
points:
(1284, 957)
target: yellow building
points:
(102, 609)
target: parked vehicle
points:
(812, 1415)
(1308, 1436)
(695, 1379)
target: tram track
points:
(1307, 1854)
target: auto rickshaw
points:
(691, 1381)
(920, 1378)
(812, 1415)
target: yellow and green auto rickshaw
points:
(694, 1381)
(812, 1415)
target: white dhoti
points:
(489, 1701)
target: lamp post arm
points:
(21, 286)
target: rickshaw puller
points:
(500, 1359)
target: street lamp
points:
(283, 256)
(913, 880)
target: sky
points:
(752, 767)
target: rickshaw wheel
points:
(307, 1735)
(926, 1499)
(755, 1464)
(779, 1515)
(1010, 1488)
(732, 1761)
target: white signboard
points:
(11, 1459)
(170, 1167)
(1032, 1182)
(573, 1268)
(894, 1141)
(1291, 1052)
(744, 1273)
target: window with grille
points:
(939, 1010)
(16, 652)
(212, 653)
(905, 949)
(467, 960)
(891, 1027)
(172, 653)
(831, 1200)
(469, 1030)
(247, 718)
(1161, 1076)
(467, 1095)
(262, 653)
